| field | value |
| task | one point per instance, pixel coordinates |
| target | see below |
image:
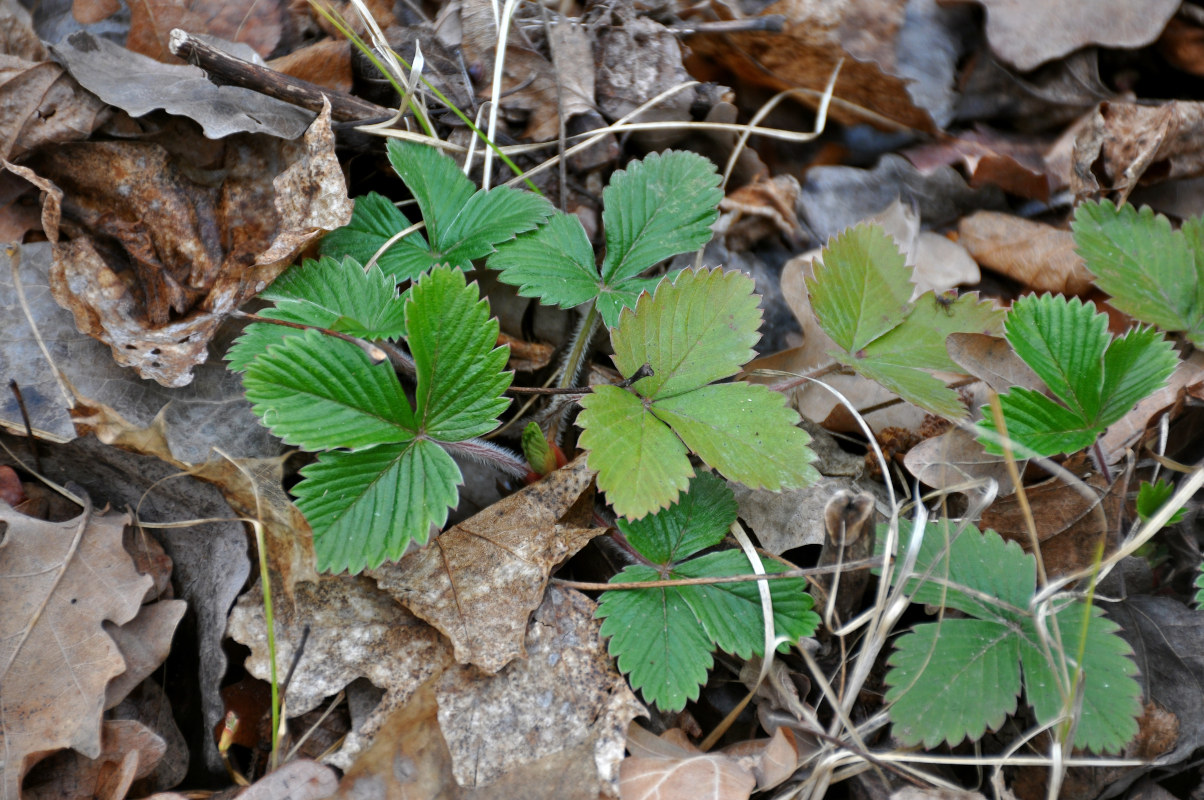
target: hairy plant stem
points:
(574, 359)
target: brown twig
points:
(224, 68)
(33, 442)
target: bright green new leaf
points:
(653, 210)
(955, 678)
(663, 637)
(537, 451)
(1153, 273)
(462, 223)
(324, 393)
(1098, 379)
(697, 327)
(324, 294)
(861, 295)
(1199, 598)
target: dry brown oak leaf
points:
(59, 581)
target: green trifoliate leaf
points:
(663, 636)
(954, 678)
(319, 392)
(1098, 379)
(635, 438)
(861, 289)
(1153, 273)
(459, 367)
(324, 294)
(861, 297)
(655, 209)
(698, 329)
(700, 519)
(366, 507)
(462, 224)
(374, 222)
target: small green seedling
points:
(384, 477)
(957, 677)
(1096, 378)
(663, 637)
(861, 295)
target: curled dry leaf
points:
(1123, 142)
(670, 768)
(129, 751)
(479, 581)
(256, 23)
(144, 643)
(1071, 521)
(58, 583)
(1027, 33)
(865, 33)
(1039, 256)
(140, 196)
(356, 631)
(1014, 164)
(296, 780)
(138, 85)
(43, 106)
(954, 459)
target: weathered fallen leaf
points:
(1027, 33)
(1124, 142)
(296, 780)
(785, 520)
(17, 36)
(129, 751)
(689, 774)
(759, 209)
(144, 643)
(149, 705)
(210, 560)
(1036, 255)
(1012, 163)
(43, 106)
(326, 63)
(637, 61)
(772, 761)
(837, 197)
(556, 719)
(356, 631)
(955, 458)
(479, 581)
(937, 263)
(1070, 526)
(258, 23)
(138, 85)
(530, 80)
(58, 583)
(900, 77)
(1125, 432)
(992, 360)
(170, 258)
(1182, 45)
